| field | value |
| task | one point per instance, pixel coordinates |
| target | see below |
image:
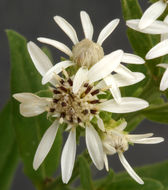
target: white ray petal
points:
(122, 70)
(79, 79)
(94, 146)
(107, 30)
(105, 66)
(122, 81)
(158, 27)
(154, 140)
(67, 28)
(87, 25)
(122, 126)
(100, 123)
(68, 156)
(115, 91)
(128, 104)
(165, 36)
(62, 47)
(56, 69)
(106, 162)
(39, 58)
(163, 65)
(152, 13)
(129, 169)
(45, 145)
(132, 59)
(26, 97)
(164, 81)
(133, 137)
(32, 109)
(159, 50)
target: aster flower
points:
(74, 102)
(116, 140)
(90, 55)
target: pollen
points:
(87, 53)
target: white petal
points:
(129, 169)
(126, 81)
(100, 123)
(133, 137)
(128, 104)
(39, 58)
(164, 81)
(107, 30)
(122, 126)
(154, 140)
(111, 150)
(68, 156)
(26, 97)
(45, 145)
(79, 79)
(87, 25)
(62, 47)
(122, 70)
(132, 59)
(152, 13)
(56, 69)
(32, 109)
(115, 91)
(158, 27)
(67, 28)
(163, 65)
(106, 162)
(165, 36)
(159, 50)
(105, 66)
(94, 146)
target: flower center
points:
(87, 53)
(74, 108)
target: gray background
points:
(34, 18)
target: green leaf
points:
(129, 184)
(8, 148)
(157, 113)
(29, 131)
(85, 175)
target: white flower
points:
(74, 102)
(152, 13)
(90, 55)
(116, 140)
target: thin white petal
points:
(163, 65)
(154, 140)
(159, 50)
(115, 91)
(122, 126)
(26, 97)
(152, 13)
(107, 30)
(129, 169)
(105, 66)
(128, 104)
(79, 79)
(62, 47)
(100, 123)
(133, 137)
(165, 36)
(122, 70)
(94, 146)
(87, 25)
(157, 27)
(39, 58)
(56, 69)
(67, 28)
(126, 81)
(132, 59)
(45, 145)
(68, 156)
(164, 81)
(106, 162)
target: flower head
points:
(116, 140)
